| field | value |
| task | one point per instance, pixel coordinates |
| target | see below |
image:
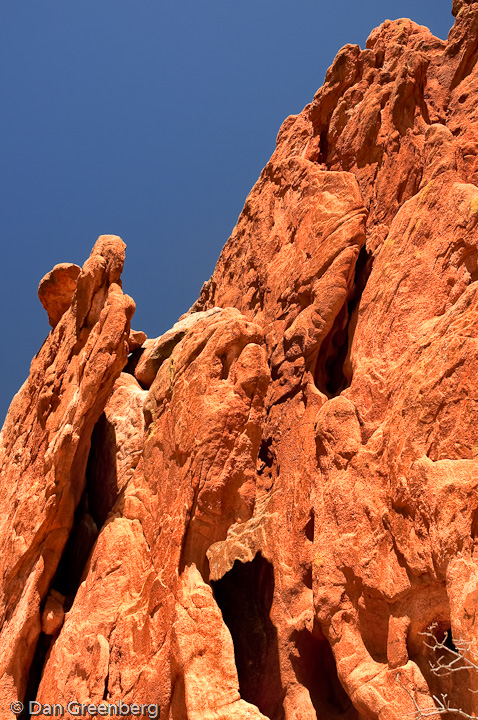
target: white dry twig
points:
(449, 661)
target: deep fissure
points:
(75, 555)
(333, 372)
(266, 454)
(245, 595)
(98, 498)
(101, 478)
(44, 644)
(95, 503)
(314, 665)
(310, 526)
(323, 146)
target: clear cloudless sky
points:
(149, 119)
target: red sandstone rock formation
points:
(260, 515)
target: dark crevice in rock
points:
(309, 528)
(323, 146)
(448, 641)
(329, 372)
(474, 525)
(245, 596)
(178, 708)
(333, 372)
(36, 668)
(75, 555)
(148, 416)
(315, 668)
(101, 477)
(98, 498)
(466, 66)
(266, 456)
(133, 359)
(307, 578)
(107, 679)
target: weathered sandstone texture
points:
(258, 513)
(56, 290)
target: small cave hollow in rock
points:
(315, 668)
(245, 595)
(448, 641)
(133, 359)
(333, 372)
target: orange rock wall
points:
(258, 513)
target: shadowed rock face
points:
(262, 513)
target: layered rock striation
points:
(258, 514)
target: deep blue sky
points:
(150, 120)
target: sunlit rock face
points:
(258, 514)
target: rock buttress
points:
(44, 448)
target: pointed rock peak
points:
(112, 249)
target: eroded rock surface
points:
(261, 515)
(44, 449)
(56, 290)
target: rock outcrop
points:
(259, 513)
(56, 290)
